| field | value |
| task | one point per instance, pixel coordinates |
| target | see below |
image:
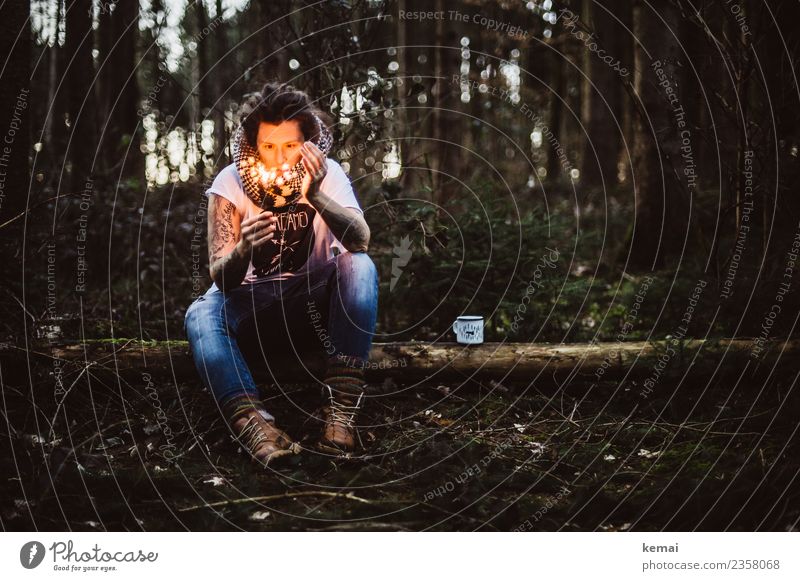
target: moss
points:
(172, 343)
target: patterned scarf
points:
(273, 188)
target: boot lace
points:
(253, 434)
(341, 413)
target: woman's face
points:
(279, 144)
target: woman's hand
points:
(256, 231)
(316, 168)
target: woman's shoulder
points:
(332, 163)
(227, 179)
(228, 184)
(336, 172)
(228, 176)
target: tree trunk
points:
(413, 361)
(556, 98)
(123, 90)
(602, 93)
(401, 87)
(656, 149)
(80, 77)
(105, 91)
(272, 56)
(779, 114)
(418, 62)
(220, 90)
(15, 124)
(439, 93)
(204, 59)
(54, 122)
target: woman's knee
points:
(201, 316)
(359, 265)
(190, 320)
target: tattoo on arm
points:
(226, 267)
(223, 230)
(346, 224)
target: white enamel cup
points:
(469, 330)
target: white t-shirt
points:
(303, 240)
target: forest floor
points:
(474, 456)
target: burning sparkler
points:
(274, 180)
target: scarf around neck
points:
(273, 188)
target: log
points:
(415, 361)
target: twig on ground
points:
(347, 495)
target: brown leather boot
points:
(339, 416)
(261, 437)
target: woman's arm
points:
(227, 267)
(231, 241)
(347, 224)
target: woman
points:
(287, 246)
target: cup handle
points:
(454, 327)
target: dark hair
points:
(278, 102)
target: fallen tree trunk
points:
(414, 361)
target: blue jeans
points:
(335, 304)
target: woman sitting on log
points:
(287, 246)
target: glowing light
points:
(391, 166)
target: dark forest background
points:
(574, 171)
(483, 144)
